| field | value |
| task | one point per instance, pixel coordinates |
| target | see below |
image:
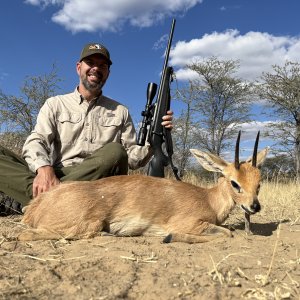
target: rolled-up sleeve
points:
(138, 156)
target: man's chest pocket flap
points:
(69, 118)
(109, 121)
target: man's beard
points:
(92, 86)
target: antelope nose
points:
(255, 206)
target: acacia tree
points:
(279, 167)
(217, 103)
(18, 113)
(184, 129)
(281, 89)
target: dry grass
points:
(281, 200)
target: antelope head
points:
(243, 178)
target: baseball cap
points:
(95, 48)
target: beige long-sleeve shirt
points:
(69, 129)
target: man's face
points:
(93, 72)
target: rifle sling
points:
(169, 149)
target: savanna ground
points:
(265, 265)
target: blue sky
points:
(37, 33)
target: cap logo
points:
(95, 46)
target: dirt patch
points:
(265, 265)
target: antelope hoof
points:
(168, 239)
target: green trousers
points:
(16, 179)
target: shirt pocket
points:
(69, 127)
(69, 118)
(108, 129)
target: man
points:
(83, 135)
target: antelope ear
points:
(261, 156)
(209, 161)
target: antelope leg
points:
(247, 224)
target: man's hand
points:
(167, 120)
(44, 179)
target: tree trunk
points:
(297, 147)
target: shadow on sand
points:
(265, 229)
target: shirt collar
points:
(80, 98)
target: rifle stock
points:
(157, 132)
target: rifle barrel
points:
(166, 58)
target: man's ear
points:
(78, 67)
(108, 73)
(209, 161)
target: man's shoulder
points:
(61, 102)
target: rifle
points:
(152, 118)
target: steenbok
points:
(138, 205)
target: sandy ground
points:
(265, 265)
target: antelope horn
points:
(237, 152)
(254, 157)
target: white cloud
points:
(248, 136)
(110, 15)
(44, 3)
(250, 129)
(256, 51)
(161, 43)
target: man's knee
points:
(107, 161)
(118, 157)
(113, 151)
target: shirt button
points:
(86, 139)
(87, 124)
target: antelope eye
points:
(235, 186)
